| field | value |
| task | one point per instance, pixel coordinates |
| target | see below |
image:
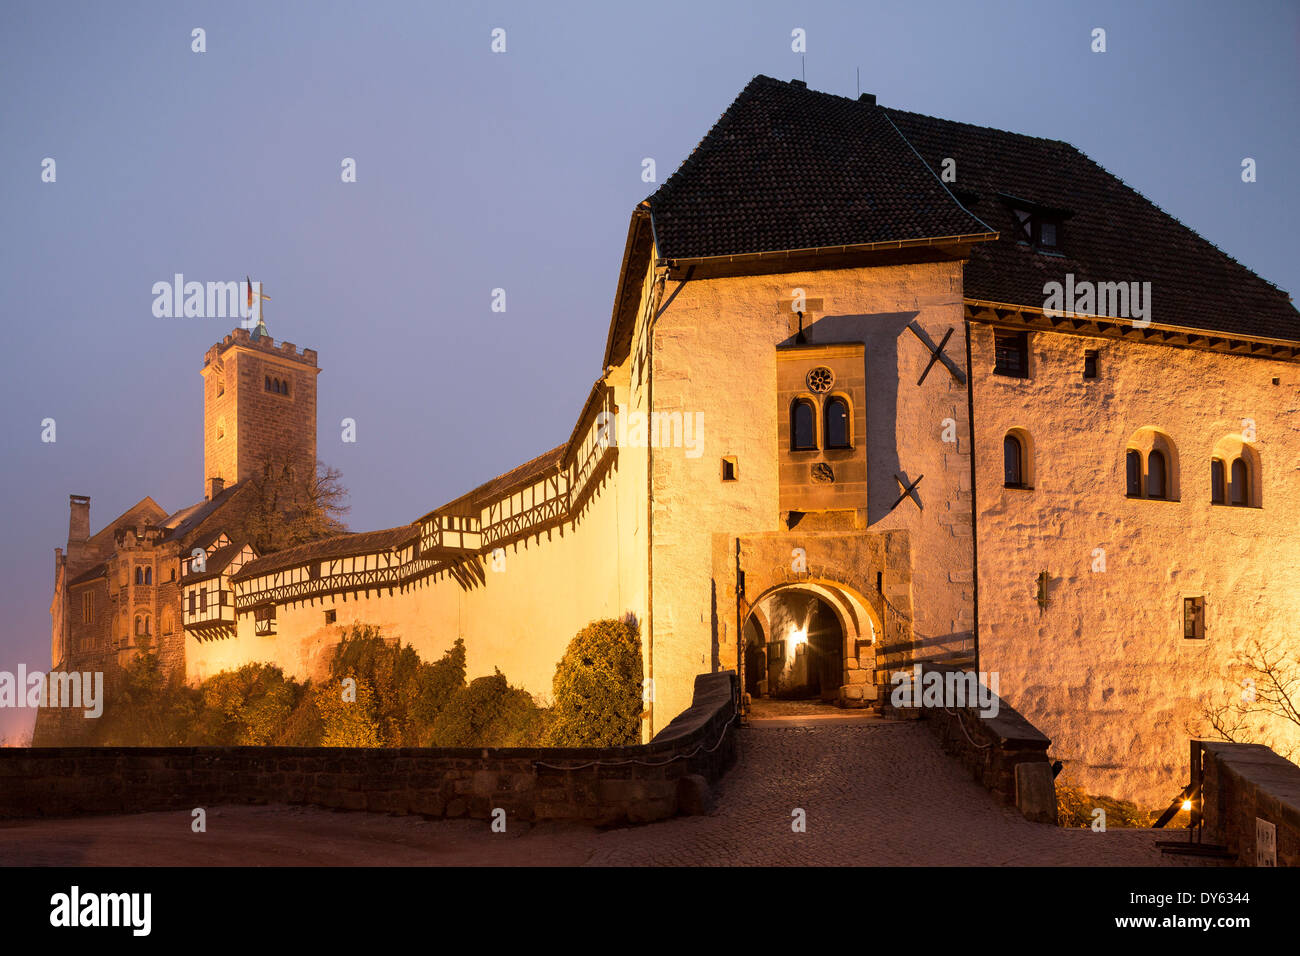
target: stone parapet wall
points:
(1245, 783)
(599, 786)
(1005, 753)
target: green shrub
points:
(598, 688)
(148, 710)
(409, 694)
(304, 727)
(488, 713)
(347, 723)
(436, 686)
(247, 707)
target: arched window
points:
(268, 383)
(168, 621)
(1240, 482)
(148, 575)
(803, 426)
(1013, 462)
(139, 626)
(1133, 467)
(836, 414)
(285, 384)
(139, 575)
(1157, 475)
(1218, 486)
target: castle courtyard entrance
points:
(794, 647)
(812, 615)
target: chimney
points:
(78, 518)
(868, 98)
(215, 487)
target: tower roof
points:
(786, 168)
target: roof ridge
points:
(1172, 218)
(979, 126)
(942, 184)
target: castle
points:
(842, 427)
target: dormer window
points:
(1037, 225)
(1038, 228)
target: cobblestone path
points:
(875, 793)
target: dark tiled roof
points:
(98, 571)
(216, 562)
(181, 523)
(1113, 235)
(344, 545)
(790, 168)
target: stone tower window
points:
(1240, 482)
(803, 426)
(1157, 475)
(836, 414)
(1194, 618)
(1011, 354)
(1218, 486)
(1133, 468)
(1012, 462)
(1090, 363)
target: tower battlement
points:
(264, 343)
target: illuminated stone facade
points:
(856, 421)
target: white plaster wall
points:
(1104, 669)
(714, 352)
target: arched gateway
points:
(815, 615)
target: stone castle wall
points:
(1103, 668)
(715, 352)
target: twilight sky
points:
(475, 171)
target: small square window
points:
(1011, 354)
(1047, 235)
(1194, 618)
(1090, 363)
(730, 470)
(331, 616)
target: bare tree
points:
(1269, 692)
(286, 508)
